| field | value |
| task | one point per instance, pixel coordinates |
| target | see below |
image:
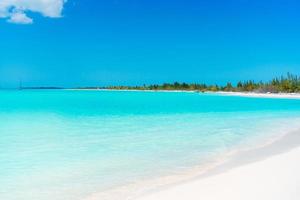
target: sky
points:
(133, 42)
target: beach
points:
(113, 145)
(229, 93)
(262, 95)
(149, 100)
(270, 172)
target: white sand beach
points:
(244, 94)
(262, 95)
(267, 173)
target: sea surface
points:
(71, 145)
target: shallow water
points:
(67, 145)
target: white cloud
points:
(16, 11)
(19, 17)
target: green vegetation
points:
(285, 84)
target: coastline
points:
(262, 95)
(242, 94)
(186, 185)
(268, 172)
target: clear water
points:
(67, 145)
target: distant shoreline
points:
(262, 95)
(243, 94)
(288, 84)
(227, 93)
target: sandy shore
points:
(262, 95)
(270, 172)
(245, 94)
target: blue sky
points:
(113, 42)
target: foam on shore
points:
(269, 172)
(157, 188)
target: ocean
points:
(73, 145)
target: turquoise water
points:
(68, 145)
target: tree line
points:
(285, 84)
